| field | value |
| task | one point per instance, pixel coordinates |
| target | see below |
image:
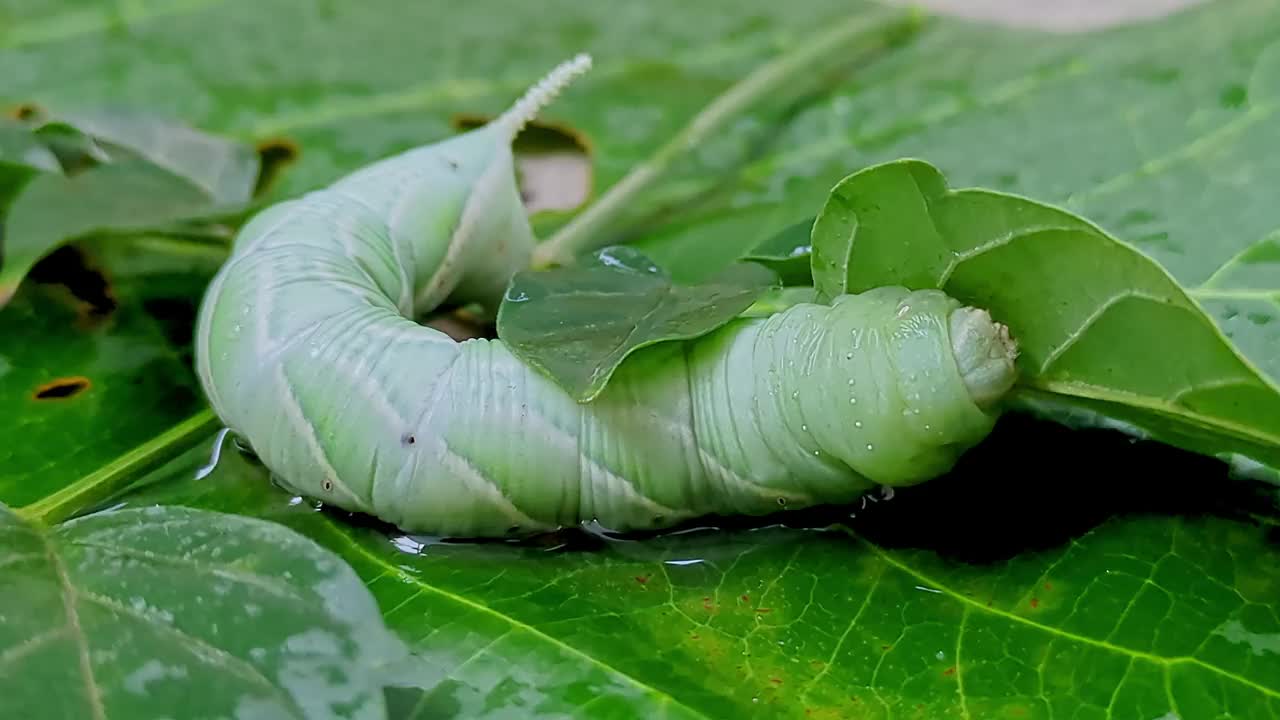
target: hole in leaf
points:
(273, 155)
(25, 112)
(176, 317)
(552, 160)
(62, 388)
(69, 267)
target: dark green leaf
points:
(115, 328)
(1136, 593)
(787, 253)
(577, 324)
(157, 612)
(1095, 319)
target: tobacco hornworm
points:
(306, 348)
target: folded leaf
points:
(787, 253)
(53, 209)
(1096, 320)
(224, 169)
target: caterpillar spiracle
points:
(308, 350)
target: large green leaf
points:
(1095, 319)
(510, 630)
(157, 612)
(1099, 582)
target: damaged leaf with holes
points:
(116, 173)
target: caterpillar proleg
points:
(307, 348)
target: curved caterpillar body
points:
(306, 348)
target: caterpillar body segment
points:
(307, 348)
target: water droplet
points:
(850, 382)
(804, 428)
(915, 411)
(848, 356)
(815, 453)
(926, 427)
(795, 394)
(870, 446)
(857, 423)
(853, 401)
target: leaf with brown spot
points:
(62, 388)
(122, 173)
(274, 154)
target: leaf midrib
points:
(1067, 389)
(67, 593)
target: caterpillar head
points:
(985, 354)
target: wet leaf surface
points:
(164, 611)
(1146, 603)
(1100, 581)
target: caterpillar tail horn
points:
(541, 94)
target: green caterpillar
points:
(307, 349)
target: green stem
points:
(863, 33)
(105, 482)
(194, 246)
